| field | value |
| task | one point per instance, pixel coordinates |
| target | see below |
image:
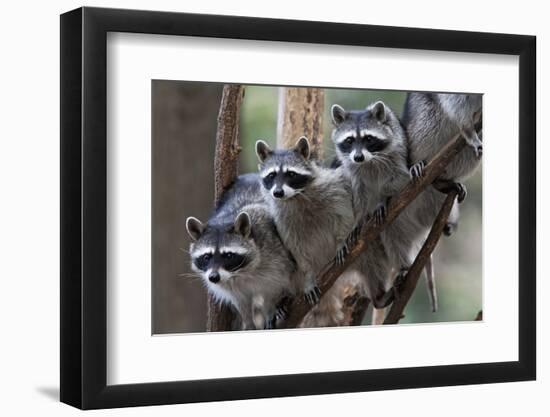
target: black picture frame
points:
(84, 207)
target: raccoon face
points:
(220, 252)
(284, 173)
(360, 135)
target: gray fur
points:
(313, 221)
(431, 120)
(382, 175)
(243, 221)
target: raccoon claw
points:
(351, 240)
(417, 170)
(281, 313)
(461, 191)
(379, 214)
(313, 296)
(341, 255)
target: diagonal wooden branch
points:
(221, 317)
(371, 231)
(413, 275)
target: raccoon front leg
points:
(259, 311)
(247, 318)
(446, 186)
(350, 241)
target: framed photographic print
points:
(258, 208)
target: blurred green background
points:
(457, 259)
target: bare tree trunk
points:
(301, 114)
(221, 317)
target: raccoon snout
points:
(278, 193)
(359, 157)
(214, 277)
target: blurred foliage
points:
(457, 260)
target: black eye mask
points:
(296, 181)
(229, 261)
(374, 144)
(203, 261)
(289, 178)
(232, 261)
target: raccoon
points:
(313, 211)
(240, 256)
(372, 149)
(311, 206)
(431, 120)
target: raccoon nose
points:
(214, 277)
(278, 193)
(358, 157)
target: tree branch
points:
(413, 275)
(221, 317)
(370, 231)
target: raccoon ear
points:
(194, 227)
(379, 111)
(338, 114)
(302, 147)
(242, 224)
(263, 150)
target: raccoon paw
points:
(341, 255)
(281, 313)
(417, 170)
(399, 282)
(446, 186)
(379, 214)
(354, 235)
(461, 191)
(313, 295)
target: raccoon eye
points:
(369, 138)
(228, 255)
(206, 257)
(291, 174)
(271, 175)
(349, 140)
